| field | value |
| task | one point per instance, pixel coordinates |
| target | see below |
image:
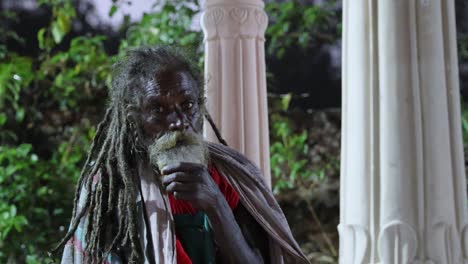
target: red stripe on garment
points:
(182, 257)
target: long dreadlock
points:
(112, 157)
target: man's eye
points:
(187, 105)
(158, 109)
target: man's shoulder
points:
(233, 164)
(226, 153)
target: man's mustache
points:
(176, 146)
(173, 139)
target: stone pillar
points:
(235, 76)
(403, 186)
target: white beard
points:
(189, 153)
(177, 147)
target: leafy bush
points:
(38, 192)
(464, 117)
(293, 24)
(288, 151)
(305, 170)
(463, 46)
(167, 26)
(78, 74)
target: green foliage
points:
(62, 15)
(289, 151)
(36, 190)
(463, 46)
(173, 20)
(77, 73)
(293, 24)
(36, 200)
(5, 35)
(464, 117)
(15, 72)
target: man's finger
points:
(177, 177)
(182, 166)
(180, 187)
(186, 196)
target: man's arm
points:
(253, 232)
(192, 182)
(229, 237)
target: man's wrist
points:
(218, 208)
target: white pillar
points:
(403, 187)
(235, 75)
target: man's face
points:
(171, 120)
(170, 104)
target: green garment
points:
(194, 233)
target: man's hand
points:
(192, 182)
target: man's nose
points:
(178, 124)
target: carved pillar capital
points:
(236, 19)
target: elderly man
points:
(153, 191)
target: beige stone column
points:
(403, 186)
(235, 76)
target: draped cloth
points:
(254, 195)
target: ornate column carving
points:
(403, 192)
(235, 76)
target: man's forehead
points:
(156, 92)
(171, 84)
